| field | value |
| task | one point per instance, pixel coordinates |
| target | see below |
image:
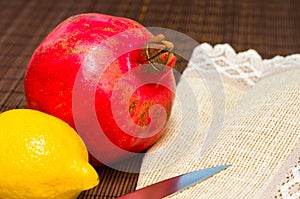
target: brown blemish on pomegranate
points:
(133, 105)
(140, 112)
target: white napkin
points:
(234, 109)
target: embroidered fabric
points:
(245, 69)
(290, 188)
(286, 184)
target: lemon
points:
(41, 157)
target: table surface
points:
(270, 27)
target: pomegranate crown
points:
(158, 53)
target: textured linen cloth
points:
(233, 108)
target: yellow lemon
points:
(41, 157)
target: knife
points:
(169, 186)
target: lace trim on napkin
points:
(245, 68)
(286, 184)
(290, 188)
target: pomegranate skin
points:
(55, 64)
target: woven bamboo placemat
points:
(269, 27)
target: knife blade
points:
(169, 186)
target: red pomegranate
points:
(104, 73)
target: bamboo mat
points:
(271, 28)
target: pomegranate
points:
(110, 67)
